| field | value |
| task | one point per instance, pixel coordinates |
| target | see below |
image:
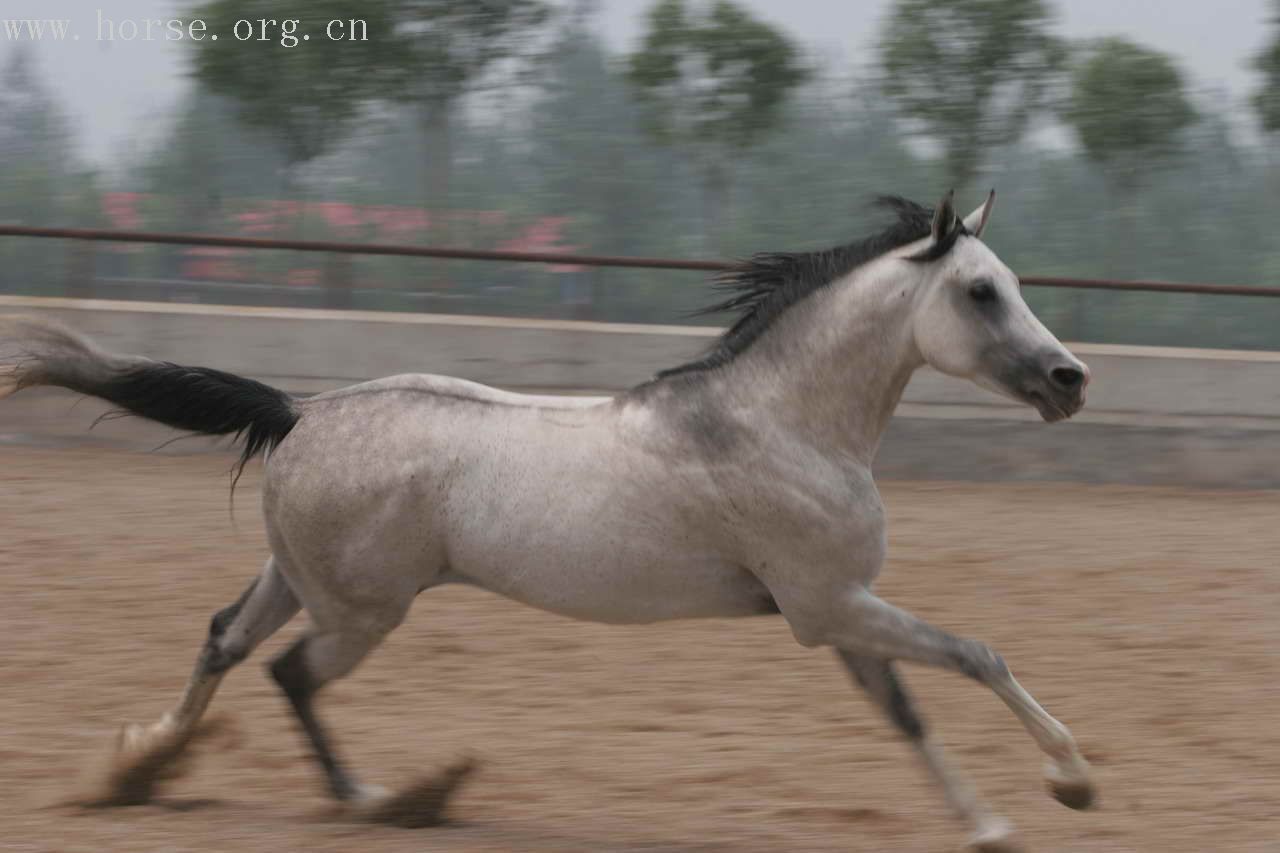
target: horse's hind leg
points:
(880, 679)
(309, 664)
(147, 755)
(312, 662)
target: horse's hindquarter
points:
(394, 486)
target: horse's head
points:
(971, 321)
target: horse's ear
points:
(944, 217)
(976, 221)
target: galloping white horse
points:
(737, 485)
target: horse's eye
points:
(982, 292)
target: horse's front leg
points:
(880, 679)
(861, 624)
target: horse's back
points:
(451, 387)
(400, 448)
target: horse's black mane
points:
(767, 284)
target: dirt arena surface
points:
(1148, 620)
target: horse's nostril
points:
(1067, 378)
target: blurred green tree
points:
(307, 94)
(449, 47)
(42, 182)
(200, 171)
(1128, 107)
(969, 73)
(715, 81)
(1266, 102)
(207, 160)
(35, 139)
(1267, 99)
(589, 160)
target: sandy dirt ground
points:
(1148, 620)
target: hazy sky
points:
(117, 93)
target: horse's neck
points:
(834, 367)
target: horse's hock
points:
(1156, 416)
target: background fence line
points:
(345, 248)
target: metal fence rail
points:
(158, 237)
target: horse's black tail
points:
(200, 399)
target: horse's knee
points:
(978, 661)
(901, 710)
(880, 679)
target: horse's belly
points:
(621, 584)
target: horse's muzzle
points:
(1060, 392)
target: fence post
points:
(337, 281)
(81, 256)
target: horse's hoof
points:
(1074, 795)
(422, 803)
(997, 837)
(143, 759)
(1074, 789)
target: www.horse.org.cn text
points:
(286, 32)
